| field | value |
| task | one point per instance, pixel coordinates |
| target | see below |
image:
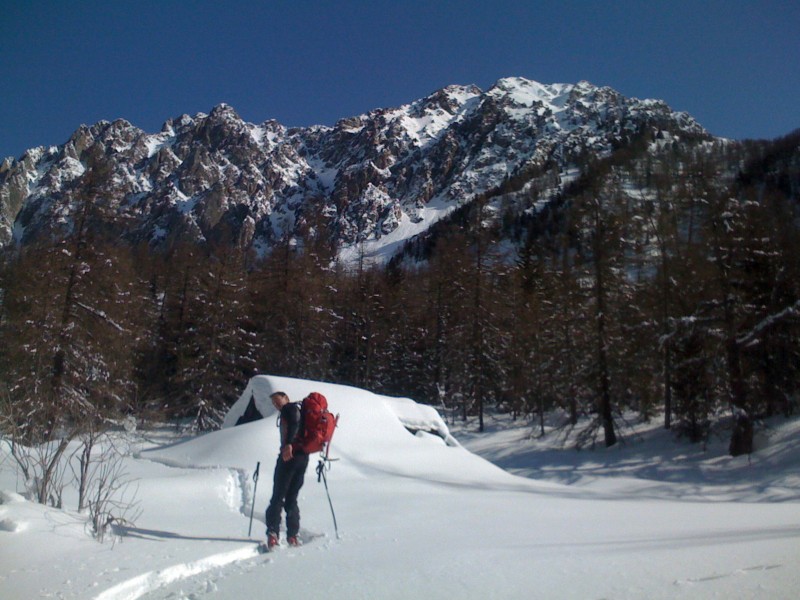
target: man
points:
(290, 471)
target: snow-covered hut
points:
(254, 403)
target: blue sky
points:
(731, 64)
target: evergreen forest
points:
(664, 285)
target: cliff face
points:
(372, 180)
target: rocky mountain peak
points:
(372, 180)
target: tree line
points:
(666, 283)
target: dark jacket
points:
(291, 424)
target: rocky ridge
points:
(369, 182)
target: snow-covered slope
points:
(374, 180)
(417, 518)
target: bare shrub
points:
(39, 460)
(106, 490)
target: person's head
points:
(279, 400)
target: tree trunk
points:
(606, 416)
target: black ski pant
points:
(286, 484)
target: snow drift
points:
(376, 434)
(413, 416)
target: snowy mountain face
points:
(370, 181)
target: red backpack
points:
(318, 424)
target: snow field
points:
(419, 517)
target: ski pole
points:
(321, 475)
(321, 467)
(253, 507)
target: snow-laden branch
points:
(789, 311)
(102, 315)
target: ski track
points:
(138, 586)
(154, 581)
(737, 572)
(239, 496)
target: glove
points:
(286, 453)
